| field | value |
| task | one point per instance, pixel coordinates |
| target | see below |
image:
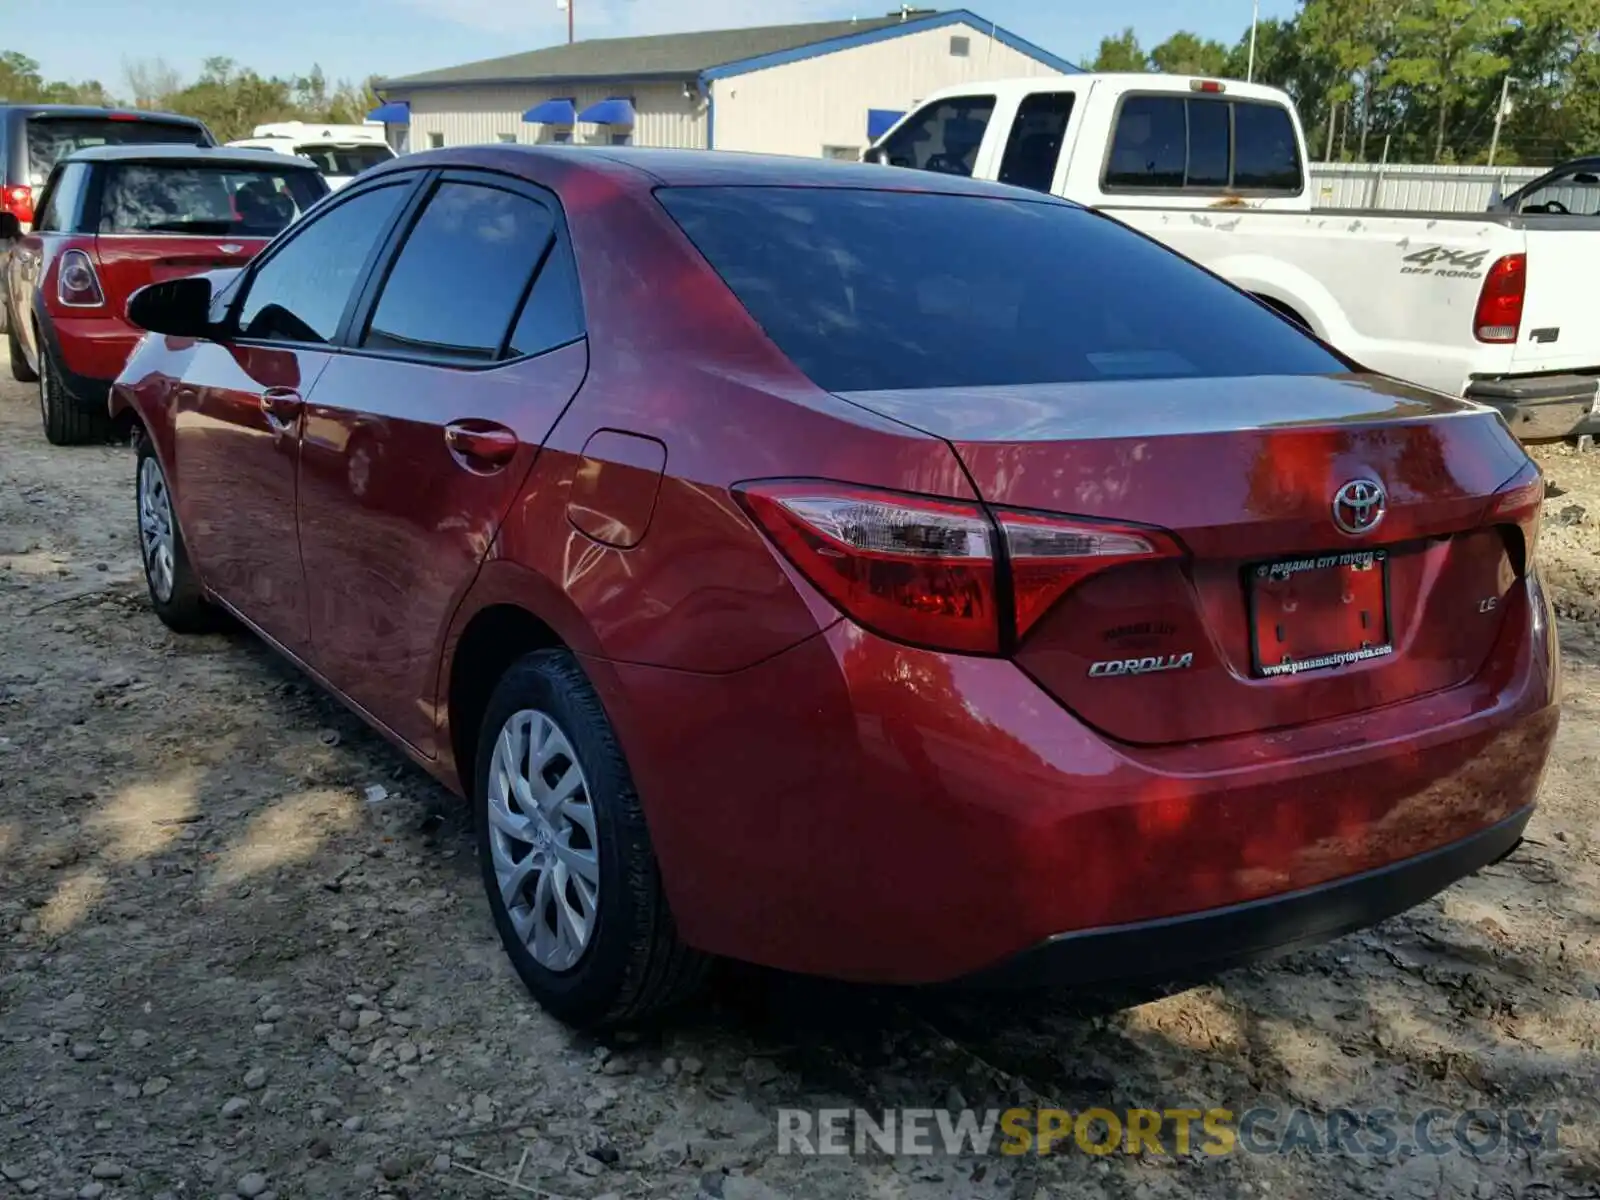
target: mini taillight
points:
(931, 572)
(1499, 314)
(1519, 504)
(18, 201)
(77, 286)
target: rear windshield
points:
(51, 139)
(206, 201)
(869, 290)
(345, 160)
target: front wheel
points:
(175, 591)
(566, 859)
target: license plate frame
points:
(1349, 564)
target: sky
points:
(351, 39)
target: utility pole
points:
(1500, 116)
(1255, 16)
(567, 4)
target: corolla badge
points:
(1359, 505)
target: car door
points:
(238, 412)
(465, 352)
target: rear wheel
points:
(20, 370)
(175, 591)
(566, 859)
(66, 422)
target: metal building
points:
(822, 89)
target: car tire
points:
(631, 961)
(175, 591)
(20, 370)
(66, 423)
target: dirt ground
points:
(244, 951)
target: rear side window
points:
(943, 137)
(462, 274)
(205, 201)
(1206, 143)
(51, 139)
(553, 314)
(1034, 147)
(300, 293)
(63, 200)
(1019, 292)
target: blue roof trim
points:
(850, 41)
(552, 112)
(396, 112)
(618, 110)
(880, 121)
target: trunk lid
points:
(128, 262)
(1245, 472)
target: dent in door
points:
(615, 486)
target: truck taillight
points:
(1499, 314)
(18, 201)
(932, 572)
(77, 285)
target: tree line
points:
(231, 99)
(1414, 80)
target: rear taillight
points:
(18, 201)
(1499, 314)
(1518, 505)
(77, 286)
(933, 572)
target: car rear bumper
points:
(1539, 407)
(865, 810)
(1197, 943)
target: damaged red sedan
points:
(871, 574)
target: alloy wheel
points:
(543, 840)
(155, 529)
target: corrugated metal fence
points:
(1414, 188)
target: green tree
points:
(1119, 53)
(1185, 53)
(1445, 51)
(20, 81)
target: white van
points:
(341, 152)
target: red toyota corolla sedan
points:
(866, 573)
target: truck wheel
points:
(66, 422)
(20, 370)
(571, 877)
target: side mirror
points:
(873, 154)
(10, 227)
(176, 307)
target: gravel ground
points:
(243, 952)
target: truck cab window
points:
(943, 137)
(1034, 147)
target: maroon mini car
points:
(110, 220)
(866, 573)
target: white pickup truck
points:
(1502, 308)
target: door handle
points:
(281, 406)
(482, 444)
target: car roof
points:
(211, 155)
(646, 168)
(92, 110)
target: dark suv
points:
(34, 137)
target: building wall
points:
(471, 115)
(805, 106)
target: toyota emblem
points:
(1358, 506)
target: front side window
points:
(1034, 147)
(461, 274)
(1206, 143)
(204, 201)
(1019, 292)
(300, 293)
(943, 137)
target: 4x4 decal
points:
(1441, 260)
